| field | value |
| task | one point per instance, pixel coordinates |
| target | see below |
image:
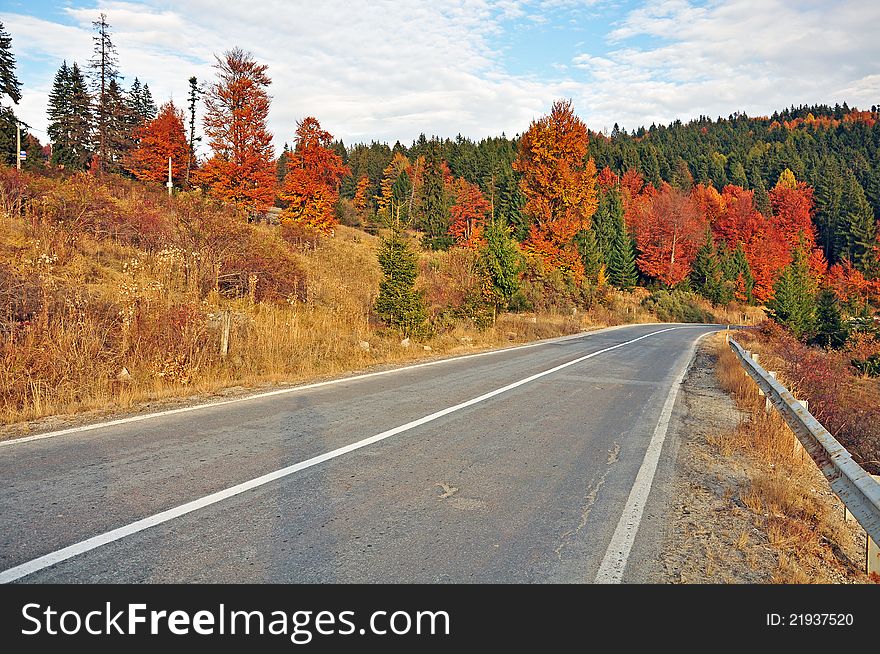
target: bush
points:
(677, 306)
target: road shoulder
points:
(704, 526)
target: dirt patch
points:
(721, 528)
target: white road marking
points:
(614, 562)
(296, 389)
(89, 544)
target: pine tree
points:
(738, 275)
(120, 125)
(432, 205)
(193, 100)
(502, 261)
(103, 63)
(70, 119)
(793, 299)
(622, 261)
(605, 223)
(706, 275)
(830, 331)
(399, 304)
(9, 84)
(591, 257)
(857, 230)
(828, 193)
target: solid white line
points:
(71, 551)
(616, 556)
(295, 389)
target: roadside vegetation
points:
(784, 491)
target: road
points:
(531, 464)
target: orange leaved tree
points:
(158, 140)
(560, 189)
(311, 186)
(468, 214)
(669, 229)
(241, 169)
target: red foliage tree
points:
(793, 211)
(767, 250)
(469, 214)
(850, 285)
(311, 186)
(242, 167)
(157, 140)
(669, 229)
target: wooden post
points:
(225, 327)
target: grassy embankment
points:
(114, 295)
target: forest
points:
(714, 219)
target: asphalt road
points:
(516, 466)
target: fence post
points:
(225, 326)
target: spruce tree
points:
(830, 330)
(399, 304)
(502, 262)
(706, 275)
(793, 299)
(104, 71)
(827, 194)
(622, 263)
(739, 275)
(605, 222)
(432, 205)
(193, 101)
(9, 84)
(857, 229)
(70, 119)
(591, 258)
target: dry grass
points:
(113, 295)
(803, 528)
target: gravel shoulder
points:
(709, 534)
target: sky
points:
(391, 69)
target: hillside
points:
(115, 295)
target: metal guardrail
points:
(859, 492)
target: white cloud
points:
(390, 69)
(751, 55)
(386, 69)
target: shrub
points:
(677, 306)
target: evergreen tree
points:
(70, 119)
(9, 84)
(738, 275)
(622, 261)
(793, 299)
(857, 229)
(120, 123)
(827, 194)
(738, 175)
(281, 166)
(399, 304)
(502, 262)
(193, 101)
(589, 252)
(432, 205)
(706, 276)
(830, 331)
(606, 220)
(104, 72)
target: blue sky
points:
(390, 69)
